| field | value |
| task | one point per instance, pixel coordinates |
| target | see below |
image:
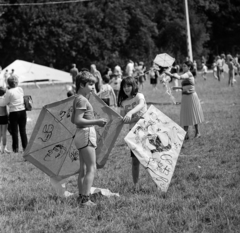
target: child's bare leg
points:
(81, 175)
(197, 134)
(89, 157)
(135, 169)
(186, 129)
(1, 138)
(4, 139)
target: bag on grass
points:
(28, 102)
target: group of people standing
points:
(107, 84)
(228, 64)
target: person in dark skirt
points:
(153, 75)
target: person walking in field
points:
(153, 75)
(194, 71)
(85, 138)
(231, 70)
(96, 73)
(73, 73)
(237, 65)
(214, 67)
(220, 63)
(139, 74)
(191, 111)
(204, 71)
(129, 68)
(5, 77)
(3, 124)
(133, 106)
(175, 69)
(115, 82)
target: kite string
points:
(169, 92)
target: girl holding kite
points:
(133, 106)
(191, 111)
(85, 138)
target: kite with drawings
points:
(51, 147)
(156, 141)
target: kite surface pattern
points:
(156, 141)
(51, 147)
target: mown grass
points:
(204, 194)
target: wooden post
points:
(189, 43)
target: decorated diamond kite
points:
(164, 60)
(156, 141)
(106, 136)
(51, 147)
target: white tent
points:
(33, 73)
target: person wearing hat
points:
(17, 112)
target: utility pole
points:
(189, 43)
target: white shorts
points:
(85, 137)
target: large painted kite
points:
(51, 147)
(156, 141)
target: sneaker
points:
(88, 203)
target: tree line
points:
(109, 32)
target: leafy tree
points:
(108, 32)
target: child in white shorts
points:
(85, 138)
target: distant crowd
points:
(111, 78)
(229, 64)
(108, 83)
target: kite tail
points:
(169, 92)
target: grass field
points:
(204, 194)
